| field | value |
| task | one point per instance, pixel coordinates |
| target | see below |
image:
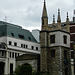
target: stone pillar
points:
(7, 64)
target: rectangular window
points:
(53, 53)
(36, 48)
(26, 46)
(65, 54)
(52, 39)
(22, 45)
(32, 47)
(9, 42)
(11, 68)
(15, 44)
(2, 53)
(12, 54)
(65, 39)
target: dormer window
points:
(21, 36)
(12, 34)
(29, 38)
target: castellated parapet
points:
(64, 26)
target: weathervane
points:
(5, 18)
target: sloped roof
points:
(7, 29)
(28, 57)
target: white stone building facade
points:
(14, 41)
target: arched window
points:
(2, 46)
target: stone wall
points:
(33, 63)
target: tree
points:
(24, 69)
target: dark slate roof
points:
(28, 57)
(7, 29)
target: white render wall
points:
(3, 39)
(9, 61)
(19, 42)
(58, 39)
(16, 49)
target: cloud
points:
(27, 13)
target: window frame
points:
(12, 34)
(65, 39)
(15, 43)
(10, 43)
(12, 54)
(21, 36)
(52, 39)
(26, 46)
(36, 48)
(32, 47)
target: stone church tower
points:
(55, 45)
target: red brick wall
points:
(72, 29)
(72, 38)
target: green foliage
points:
(24, 69)
(17, 71)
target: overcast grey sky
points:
(27, 13)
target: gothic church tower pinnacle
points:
(67, 19)
(59, 19)
(44, 18)
(44, 14)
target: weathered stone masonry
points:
(55, 45)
